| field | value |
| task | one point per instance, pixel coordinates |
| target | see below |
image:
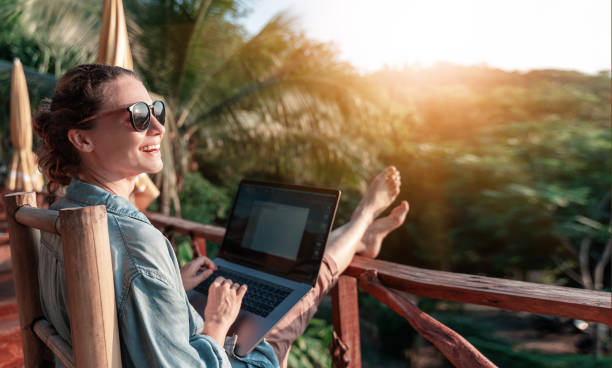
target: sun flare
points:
(510, 35)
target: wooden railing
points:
(386, 281)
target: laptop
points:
(274, 243)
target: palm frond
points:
(65, 29)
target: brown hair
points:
(79, 94)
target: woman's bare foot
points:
(381, 193)
(347, 240)
(378, 230)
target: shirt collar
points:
(91, 195)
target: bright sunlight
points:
(509, 35)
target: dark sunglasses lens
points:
(140, 116)
(159, 110)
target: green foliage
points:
(275, 95)
(311, 350)
(395, 333)
(481, 333)
(505, 172)
(505, 356)
(51, 36)
(502, 170)
(204, 202)
(184, 253)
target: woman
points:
(99, 131)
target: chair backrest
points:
(89, 283)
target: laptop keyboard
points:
(261, 296)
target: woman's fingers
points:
(218, 281)
(241, 291)
(205, 274)
(203, 262)
(207, 262)
(231, 286)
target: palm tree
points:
(275, 103)
(64, 33)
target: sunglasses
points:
(140, 114)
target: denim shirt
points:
(158, 326)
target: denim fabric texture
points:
(158, 326)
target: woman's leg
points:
(363, 235)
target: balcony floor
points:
(10, 337)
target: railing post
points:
(198, 245)
(24, 258)
(90, 287)
(346, 346)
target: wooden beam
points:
(507, 294)
(24, 258)
(209, 232)
(198, 246)
(38, 218)
(90, 287)
(454, 347)
(47, 334)
(346, 345)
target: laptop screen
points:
(280, 229)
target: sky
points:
(511, 35)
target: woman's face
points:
(118, 149)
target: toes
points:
(390, 171)
(400, 208)
(400, 211)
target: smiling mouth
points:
(150, 148)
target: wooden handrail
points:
(209, 232)
(89, 283)
(345, 345)
(26, 281)
(38, 218)
(531, 297)
(49, 336)
(507, 294)
(560, 301)
(456, 348)
(380, 278)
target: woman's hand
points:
(222, 307)
(189, 273)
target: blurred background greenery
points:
(507, 173)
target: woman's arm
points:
(224, 297)
(222, 307)
(156, 330)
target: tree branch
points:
(601, 266)
(568, 271)
(585, 247)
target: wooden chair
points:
(89, 284)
